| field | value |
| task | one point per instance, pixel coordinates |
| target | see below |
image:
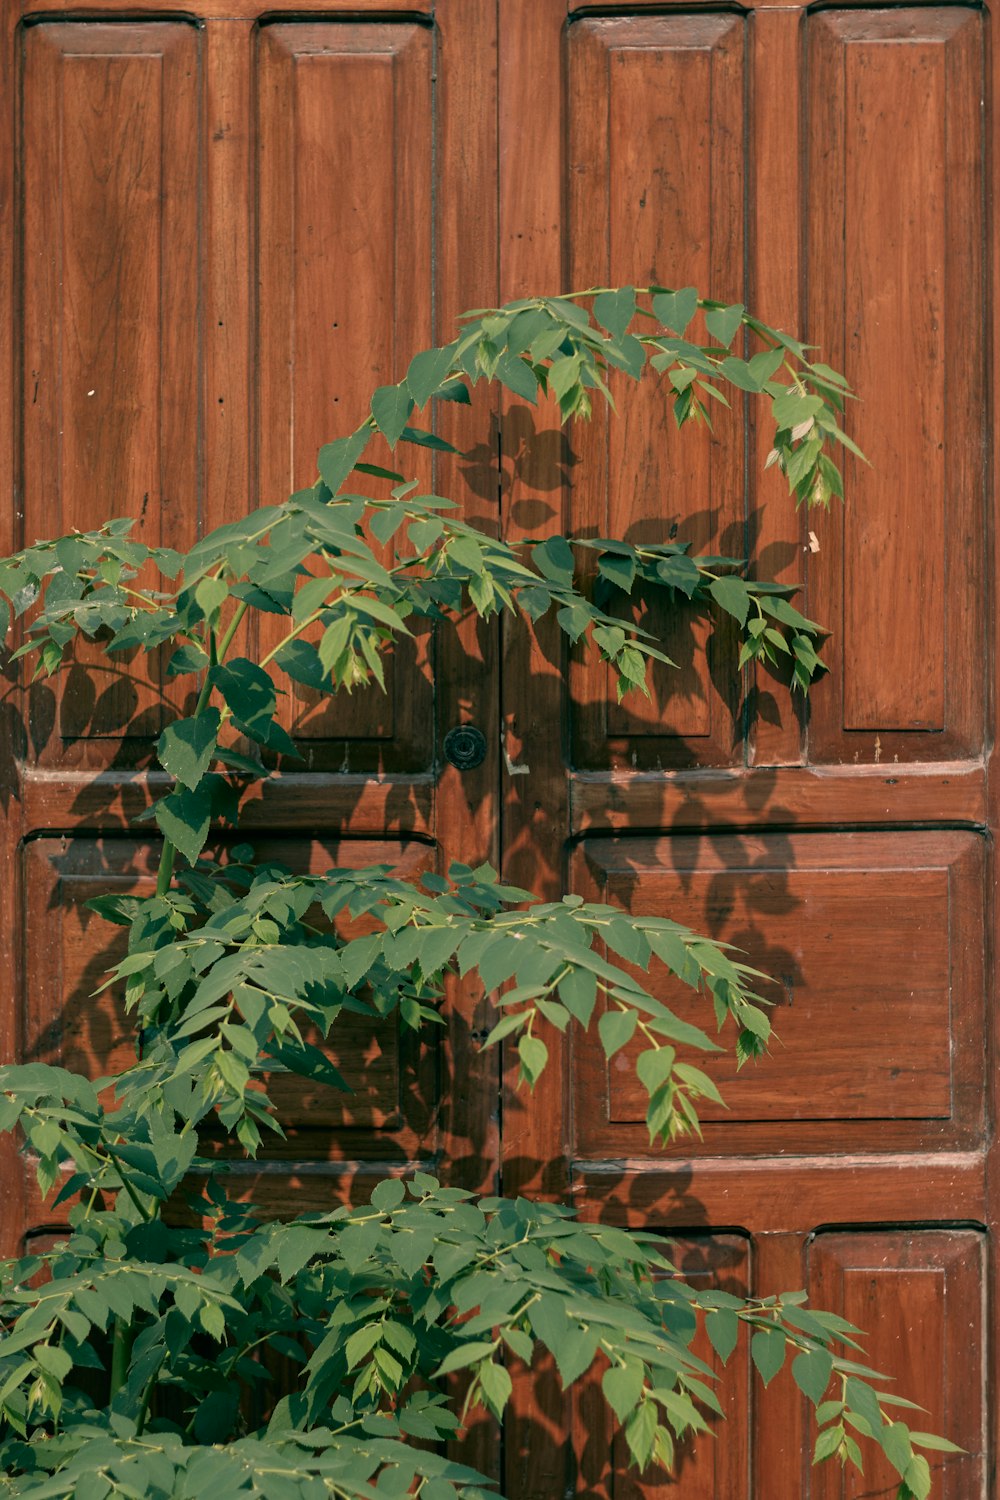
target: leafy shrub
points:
(129, 1351)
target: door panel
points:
(657, 148)
(344, 246)
(835, 159)
(713, 1466)
(871, 939)
(896, 240)
(110, 353)
(920, 1295)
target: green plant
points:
(127, 1351)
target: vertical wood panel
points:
(109, 386)
(706, 1467)
(896, 242)
(344, 252)
(775, 269)
(656, 183)
(919, 1295)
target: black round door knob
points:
(465, 747)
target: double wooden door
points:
(223, 227)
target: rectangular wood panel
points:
(108, 395)
(657, 158)
(344, 248)
(705, 1468)
(875, 943)
(920, 1297)
(896, 238)
(393, 1079)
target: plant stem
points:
(121, 1349)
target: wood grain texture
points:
(655, 178)
(875, 942)
(783, 1194)
(343, 245)
(895, 143)
(394, 1078)
(110, 355)
(920, 1294)
(788, 796)
(777, 534)
(711, 1465)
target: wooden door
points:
(224, 229)
(828, 167)
(202, 209)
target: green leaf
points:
(185, 748)
(676, 309)
(534, 1055)
(337, 459)
(422, 439)
(792, 408)
(767, 1350)
(187, 658)
(578, 992)
(250, 694)
(388, 1194)
(918, 1477)
(862, 1399)
(811, 1372)
(827, 1443)
(722, 322)
(391, 406)
(640, 1433)
(615, 310)
(723, 1329)
(517, 375)
(615, 1029)
(622, 1386)
(655, 1067)
(428, 370)
(361, 1343)
(184, 818)
(732, 595)
(895, 1440)
(463, 1356)
(931, 1440)
(496, 1386)
(210, 594)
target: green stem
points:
(147, 1396)
(231, 630)
(121, 1350)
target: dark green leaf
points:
(185, 748)
(391, 406)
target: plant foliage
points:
(130, 1351)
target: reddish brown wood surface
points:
(198, 220)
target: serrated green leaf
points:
(534, 1055)
(427, 371)
(622, 1386)
(615, 1029)
(185, 748)
(723, 1329)
(722, 322)
(184, 817)
(614, 310)
(811, 1372)
(391, 406)
(676, 309)
(732, 595)
(767, 1350)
